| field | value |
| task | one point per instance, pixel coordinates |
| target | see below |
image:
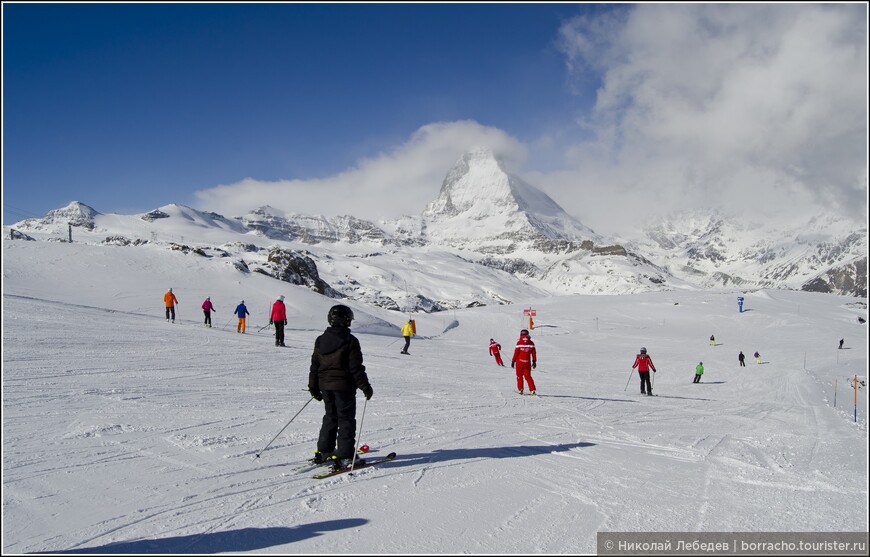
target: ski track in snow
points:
(128, 434)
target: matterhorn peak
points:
(477, 185)
(480, 200)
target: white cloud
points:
(750, 108)
(392, 184)
(734, 106)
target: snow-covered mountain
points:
(487, 238)
(825, 254)
(483, 207)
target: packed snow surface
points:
(123, 433)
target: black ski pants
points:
(207, 317)
(339, 424)
(645, 385)
(279, 333)
(407, 344)
(170, 311)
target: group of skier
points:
(277, 317)
(525, 359)
(337, 372)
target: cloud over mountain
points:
(751, 108)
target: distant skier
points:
(742, 358)
(279, 319)
(169, 300)
(699, 371)
(525, 359)
(644, 363)
(841, 343)
(712, 340)
(207, 308)
(407, 331)
(241, 312)
(494, 350)
(757, 357)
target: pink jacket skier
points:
(207, 308)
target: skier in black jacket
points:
(336, 372)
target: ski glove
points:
(534, 365)
(285, 322)
(315, 394)
(367, 391)
(270, 322)
(513, 365)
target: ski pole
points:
(630, 373)
(224, 328)
(358, 433)
(263, 327)
(283, 428)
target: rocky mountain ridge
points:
(494, 239)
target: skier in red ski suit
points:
(524, 361)
(494, 348)
(644, 363)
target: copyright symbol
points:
(608, 544)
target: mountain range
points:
(488, 238)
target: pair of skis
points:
(309, 466)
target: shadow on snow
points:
(587, 398)
(445, 455)
(231, 541)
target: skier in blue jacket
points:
(241, 312)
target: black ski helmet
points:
(643, 349)
(340, 316)
(524, 333)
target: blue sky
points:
(361, 108)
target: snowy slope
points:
(125, 434)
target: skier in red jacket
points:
(644, 363)
(524, 361)
(494, 349)
(279, 319)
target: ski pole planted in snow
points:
(630, 373)
(359, 433)
(285, 427)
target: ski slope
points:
(123, 433)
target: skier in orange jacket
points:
(170, 300)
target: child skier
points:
(494, 349)
(335, 374)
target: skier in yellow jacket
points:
(407, 331)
